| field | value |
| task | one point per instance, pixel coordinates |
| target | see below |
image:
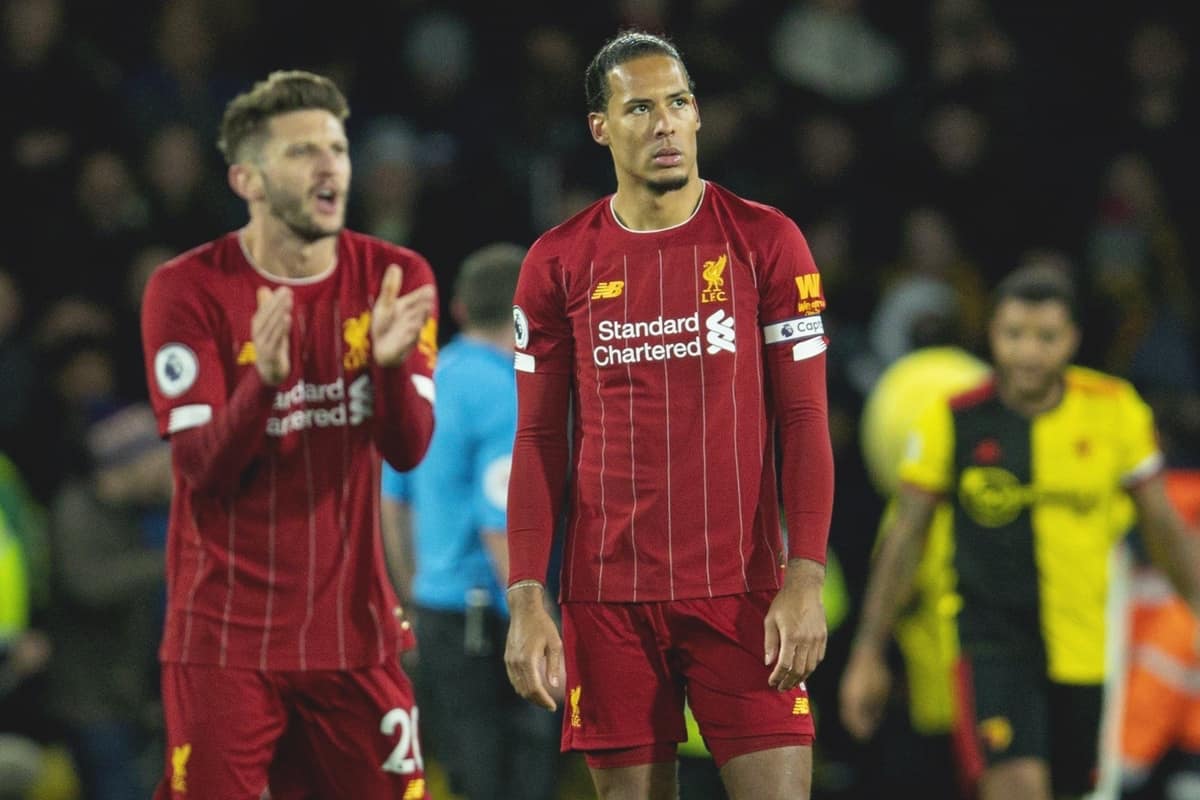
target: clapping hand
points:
(396, 319)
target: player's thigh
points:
(737, 710)
(779, 773)
(222, 726)
(1075, 715)
(358, 735)
(622, 691)
(1003, 709)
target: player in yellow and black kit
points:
(1035, 460)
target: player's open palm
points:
(533, 655)
(396, 319)
(864, 692)
(271, 331)
(795, 634)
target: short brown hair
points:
(247, 115)
(487, 281)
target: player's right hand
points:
(271, 330)
(866, 683)
(533, 655)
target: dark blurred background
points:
(924, 147)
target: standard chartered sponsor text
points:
(336, 414)
(305, 392)
(606, 355)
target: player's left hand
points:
(795, 632)
(396, 319)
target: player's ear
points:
(458, 310)
(245, 181)
(598, 127)
(1075, 340)
(696, 105)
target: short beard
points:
(661, 187)
(289, 211)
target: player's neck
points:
(279, 252)
(640, 208)
(499, 338)
(1030, 405)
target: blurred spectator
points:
(75, 350)
(962, 170)
(1141, 289)
(830, 48)
(182, 83)
(16, 365)
(108, 530)
(185, 207)
(57, 96)
(933, 294)
(832, 177)
(1155, 112)
(388, 176)
(109, 222)
(973, 59)
(545, 151)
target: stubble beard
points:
(289, 209)
(664, 186)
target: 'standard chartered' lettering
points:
(608, 329)
(304, 392)
(614, 331)
(333, 414)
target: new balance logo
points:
(800, 707)
(606, 290)
(720, 332)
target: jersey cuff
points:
(424, 386)
(802, 351)
(912, 486)
(184, 417)
(1151, 465)
(523, 362)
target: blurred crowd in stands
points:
(925, 148)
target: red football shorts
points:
(316, 734)
(630, 667)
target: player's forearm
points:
(496, 544)
(211, 457)
(892, 573)
(403, 415)
(396, 530)
(534, 504)
(807, 457)
(539, 466)
(1173, 548)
